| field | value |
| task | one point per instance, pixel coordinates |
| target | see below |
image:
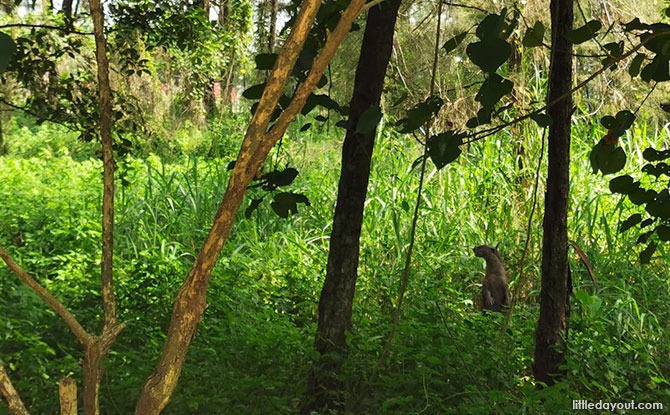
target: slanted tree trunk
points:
(552, 327)
(325, 390)
(189, 306)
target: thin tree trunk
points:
(223, 12)
(191, 299)
(272, 38)
(552, 328)
(66, 9)
(97, 348)
(325, 389)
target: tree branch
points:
(79, 332)
(41, 26)
(7, 390)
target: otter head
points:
(485, 251)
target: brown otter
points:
(495, 292)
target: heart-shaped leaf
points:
(369, 120)
(607, 158)
(623, 185)
(286, 203)
(489, 54)
(492, 90)
(542, 120)
(490, 26)
(534, 35)
(445, 147)
(420, 114)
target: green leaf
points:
(252, 207)
(322, 82)
(369, 120)
(278, 178)
(657, 70)
(663, 232)
(657, 39)
(321, 100)
(660, 206)
(619, 123)
(265, 61)
(286, 203)
(651, 154)
(492, 90)
(607, 158)
(623, 185)
(254, 92)
(656, 170)
(453, 43)
(483, 117)
(632, 220)
(647, 222)
(420, 114)
(645, 255)
(542, 120)
(490, 26)
(635, 24)
(636, 64)
(7, 50)
(444, 148)
(534, 36)
(584, 33)
(615, 49)
(489, 54)
(641, 196)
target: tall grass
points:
(253, 349)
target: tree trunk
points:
(223, 12)
(67, 392)
(191, 300)
(552, 328)
(272, 38)
(66, 9)
(325, 389)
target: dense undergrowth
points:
(252, 352)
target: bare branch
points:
(79, 332)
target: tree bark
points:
(552, 328)
(67, 392)
(66, 9)
(325, 389)
(272, 37)
(191, 299)
(10, 395)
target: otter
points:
(495, 292)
